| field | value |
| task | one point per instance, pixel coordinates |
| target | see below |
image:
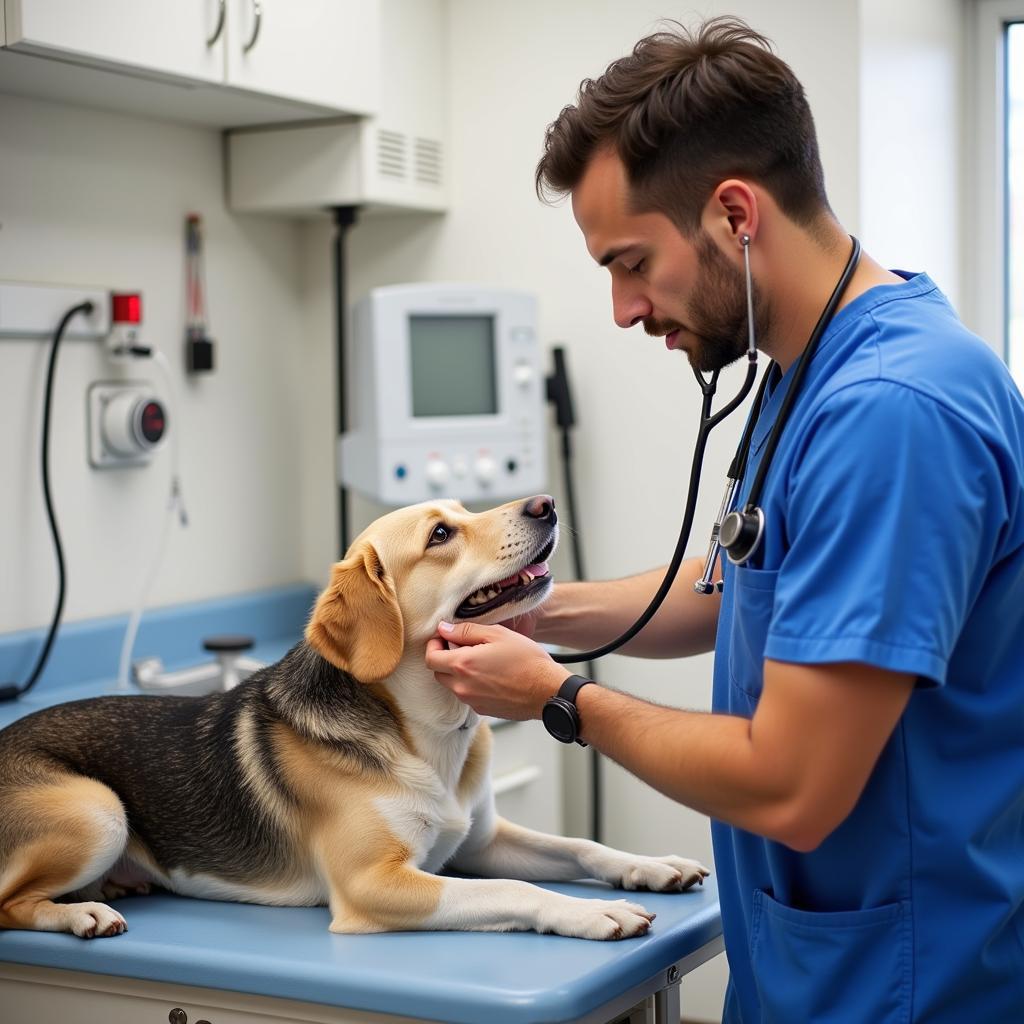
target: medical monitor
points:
(446, 395)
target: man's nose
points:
(629, 306)
(541, 507)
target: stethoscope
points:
(737, 532)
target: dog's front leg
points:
(510, 851)
(399, 897)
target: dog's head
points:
(418, 565)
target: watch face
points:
(558, 721)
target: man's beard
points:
(718, 312)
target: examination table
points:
(185, 961)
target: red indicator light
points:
(126, 308)
(153, 422)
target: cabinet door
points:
(312, 51)
(168, 37)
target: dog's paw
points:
(595, 919)
(94, 920)
(662, 874)
(114, 890)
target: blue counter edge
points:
(90, 650)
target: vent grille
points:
(392, 161)
(427, 161)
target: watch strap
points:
(571, 687)
(567, 694)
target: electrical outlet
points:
(35, 310)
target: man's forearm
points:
(706, 761)
(586, 615)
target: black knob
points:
(178, 1016)
(228, 643)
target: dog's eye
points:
(439, 535)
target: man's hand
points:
(494, 670)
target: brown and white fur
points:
(343, 774)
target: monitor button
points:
(437, 473)
(486, 469)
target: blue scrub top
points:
(895, 537)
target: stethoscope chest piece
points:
(740, 534)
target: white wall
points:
(911, 111)
(101, 199)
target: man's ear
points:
(356, 623)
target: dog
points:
(342, 775)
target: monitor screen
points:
(452, 359)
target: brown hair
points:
(686, 110)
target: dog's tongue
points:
(538, 569)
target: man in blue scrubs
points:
(864, 761)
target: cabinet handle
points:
(220, 24)
(257, 9)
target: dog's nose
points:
(542, 507)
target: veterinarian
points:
(864, 761)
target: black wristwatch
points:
(560, 716)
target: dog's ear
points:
(357, 623)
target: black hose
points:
(596, 780)
(344, 218)
(12, 690)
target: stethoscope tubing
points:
(708, 422)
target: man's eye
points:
(638, 267)
(439, 535)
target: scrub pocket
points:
(753, 602)
(841, 967)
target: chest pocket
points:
(753, 601)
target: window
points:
(1015, 197)
(995, 210)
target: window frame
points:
(987, 252)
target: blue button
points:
(400, 472)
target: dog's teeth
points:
(489, 593)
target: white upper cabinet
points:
(171, 37)
(240, 61)
(311, 51)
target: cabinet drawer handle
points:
(518, 779)
(257, 9)
(220, 23)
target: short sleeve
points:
(890, 523)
